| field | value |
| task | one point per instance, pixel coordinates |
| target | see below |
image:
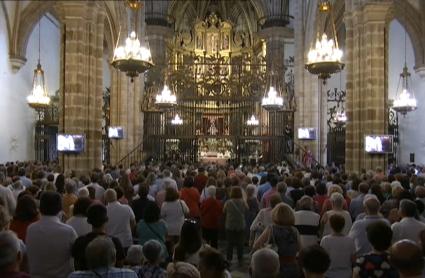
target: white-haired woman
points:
(337, 203)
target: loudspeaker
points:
(412, 157)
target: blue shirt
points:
(263, 189)
(104, 272)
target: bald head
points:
(265, 264)
(407, 257)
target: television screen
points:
(307, 133)
(379, 144)
(115, 132)
(70, 143)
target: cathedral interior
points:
(244, 81)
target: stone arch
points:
(26, 22)
(410, 19)
(111, 26)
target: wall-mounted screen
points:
(306, 133)
(379, 144)
(72, 143)
(115, 132)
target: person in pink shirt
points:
(265, 200)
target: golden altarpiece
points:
(219, 78)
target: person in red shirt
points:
(191, 197)
(211, 210)
(200, 180)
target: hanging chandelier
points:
(166, 99)
(405, 100)
(272, 101)
(252, 121)
(325, 57)
(177, 120)
(39, 98)
(132, 58)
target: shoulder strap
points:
(181, 205)
(237, 209)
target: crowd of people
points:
(186, 221)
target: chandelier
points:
(252, 121)
(132, 58)
(177, 120)
(325, 57)
(405, 100)
(272, 101)
(39, 98)
(166, 99)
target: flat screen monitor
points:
(379, 144)
(71, 143)
(115, 132)
(306, 133)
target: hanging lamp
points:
(132, 58)
(273, 100)
(324, 59)
(39, 98)
(177, 120)
(252, 121)
(405, 100)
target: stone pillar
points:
(82, 29)
(306, 85)
(367, 99)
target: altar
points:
(215, 150)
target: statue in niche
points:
(225, 44)
(212, 130)
(199, 41)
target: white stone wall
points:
(412, 133)
(16, 118)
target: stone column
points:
(367, 99)
(306, 85)
(82, 29)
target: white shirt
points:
(359, 234)
(79, 224)
(347, 217)
(407, 228)
(119, 219)
(173, 214)
(307, 218)
(9, 201)
(341, 249)
(99, 190)
(49, 244)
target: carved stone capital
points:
(17, 62)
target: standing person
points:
(45, 261)
(99, 191)
(407, 257)
(26, 182)
(211, 211)
(101, 258)
(26, 213)
(190, 243)
(340, 248)
(234, 210)
(79, 219)
(212, 264)
(379, 235)
(314, 261)
(152, 252)
(263, 219)
(6, 195)
(69, 198)
(138, 205)
(152, 227)
(10, 256)
(264, 264)
(337, 203)
(173, 211)
(283, 236)
(97, 217)
(307, 222)
(121, 219)
(408, 227)
(190, 195)
(265, 200)
(200, 180)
